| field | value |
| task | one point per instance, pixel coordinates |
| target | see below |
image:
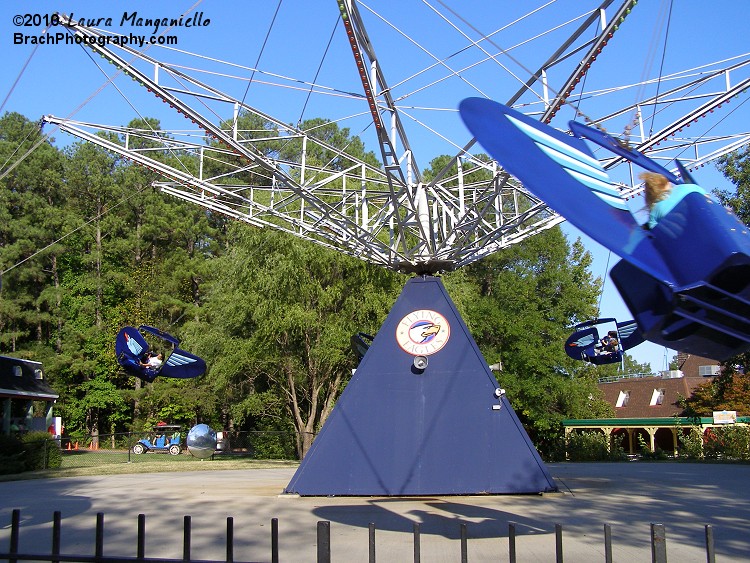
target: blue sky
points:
(419, 45)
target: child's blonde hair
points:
(657, 187)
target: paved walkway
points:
(629, 496)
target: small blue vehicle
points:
(164, 439)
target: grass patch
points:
(86, 464)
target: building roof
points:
(649, 397)
(656, 396)
(696, 366)
(24, 379)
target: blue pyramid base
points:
(401, 431)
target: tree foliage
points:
(731, 390)
(736, 167)
(276, 328)
(519, 305)
(271, 314)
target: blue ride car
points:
(164, 439)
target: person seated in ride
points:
(154, 361)
(661, 196)
(608, 344)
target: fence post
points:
(417, 546)
(464, 543)
(558, 543)
(15, 522)
(99, 539)
(56, 532)
(607, 543)
(130, 445)
(141, 541)
(710, 554)
(230, 539)
(186, 537)
(274, 540)
(324, 542)
(658, 544)
(512, 542)
(371, 529)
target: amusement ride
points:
(393, 76)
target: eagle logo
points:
(422, 332)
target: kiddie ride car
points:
(163, 439)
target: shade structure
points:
(446, 429)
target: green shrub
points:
(730, 442)
(273, 445)
(646, 453)
(41, 451)
(691, 444)
(11, 455)
(10, 445)
(592, 446)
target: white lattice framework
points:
(389, 214)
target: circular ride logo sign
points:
(424, 332)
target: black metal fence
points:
(658, 543)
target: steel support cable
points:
(485, 37)
(317, 72)
(178, 76)
(18, 147)
(526, 86)
(122, 63)
(44, 138)
(66, 235)
(577, 106)
(661, 69)
(257, 62)
(535, 76)
(439, 61)
(705, 134)
(329, 90)
(309, 93)
(23, 69)
(601, 293)
(111, 81)
(80, 106)
(641, 84)
(473, 43)
(502, 51)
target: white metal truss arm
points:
(608, 30)
(402, 173)
(334, 229)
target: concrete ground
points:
(629, 496)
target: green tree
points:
(729, 391)
(736, 167)
(519, 305)
(629, 366)
(276, 327)
(32, 217)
